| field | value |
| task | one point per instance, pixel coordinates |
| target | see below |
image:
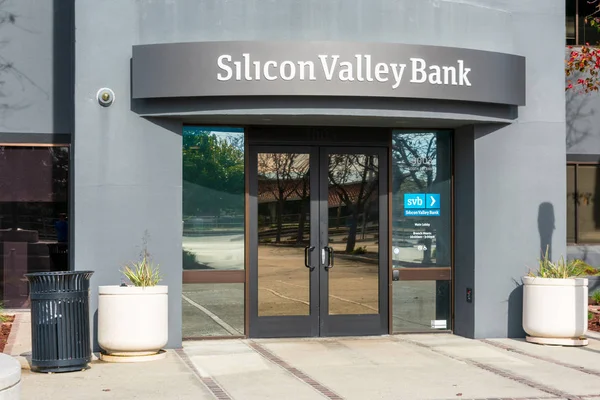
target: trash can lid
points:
(10, 371)
(59, 273)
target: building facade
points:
(583, 147)
(296, 168)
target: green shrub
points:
(190, 261)
(596, 296)
(359, 250)
(586, 269)
(3, 317)
(590, 316)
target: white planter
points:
(555, 308)
(132, 321)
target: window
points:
(34, 209)
(421, 230)
(577, 31)
(213, 231)
(583, 203)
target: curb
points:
(16, 324)
(592, 334)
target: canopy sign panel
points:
(326, 69)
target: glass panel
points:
(213, 198)
(587, 32)
(571, 197)
(417, 303)
(213, 309)
(354, 233)
(34, 228)
(283, 233)
(588, 209)
(570, 21)
(422, 230)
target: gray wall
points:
(128, 169)
(583, 121)
(518, 173)
(36, 93)
(127, 176)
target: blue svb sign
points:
(421, 205)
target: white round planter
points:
(10, 378)
(132, 321)
(555, 308)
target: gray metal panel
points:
(464, 231)
(332, 111)
(372, 70)
(37, 75)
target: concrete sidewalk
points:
(435, 366)
(163, 379)
(411, 367)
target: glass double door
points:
(318, 241)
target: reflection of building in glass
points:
(33, 216)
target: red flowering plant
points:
(583, 66)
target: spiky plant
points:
(560, 269)
(143, 272)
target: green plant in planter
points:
(3, 317)
(587, 270)
(143, 272)
(560, 269)
(596, 296)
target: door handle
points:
(330, 258)
(306, 263)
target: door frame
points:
(280, 326)
(318, 322)
(357, 324)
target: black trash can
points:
(60, 321)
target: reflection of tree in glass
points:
(213, 173)
(13, 81)
(414, 158)
(60, 172)
(354, 178)
(415, 163)
(284, 175)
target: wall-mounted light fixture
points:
(105, 97)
